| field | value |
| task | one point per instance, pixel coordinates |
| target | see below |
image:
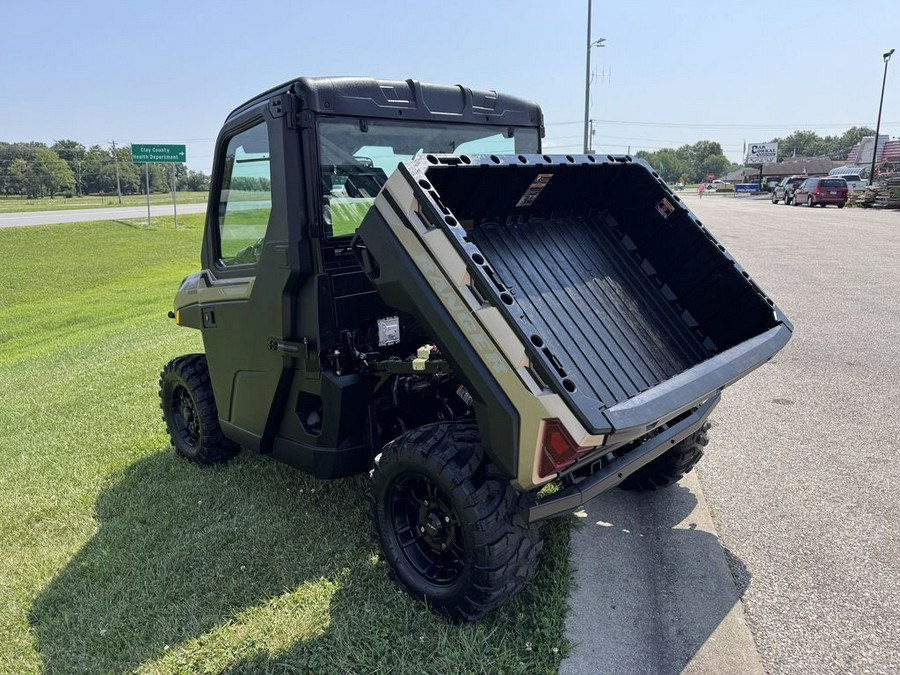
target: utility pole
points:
(118, 180)
(887, 57)
(587, 78)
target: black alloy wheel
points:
(448, 522)
(186, 421)
(190, 413)
(427, 528)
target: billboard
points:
(762, 153)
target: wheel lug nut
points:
(446, 519)
(425, 503)
(422, 529)
(443, 547)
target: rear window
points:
(850, 176)
(834, 183)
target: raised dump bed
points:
(626, 305)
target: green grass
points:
(119, 556)
(21, 204)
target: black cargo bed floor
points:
(605, 321)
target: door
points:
(246, 305)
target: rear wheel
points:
(670, 467)
(189, 411)
(809, 202)
(840, 206)
(448, 528)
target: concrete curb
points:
(653, 591)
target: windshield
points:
(356, 156)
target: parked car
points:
(784, 191)
(854, 181)
(822, 190)
(719, 185)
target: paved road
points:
(801, 480)
(802, 471)
(84, 215)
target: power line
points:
(730, 125)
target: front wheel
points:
(450, 530)
(809, 203)
(189, 411)
(774, 198)
(840, 206)
(671, 466)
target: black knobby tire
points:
(189, 411)
(448, 528)
(671, 466)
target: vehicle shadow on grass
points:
(249, 566)
(654, 589)
(181, 549)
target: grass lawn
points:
(119, 556)
(20, 204)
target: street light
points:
(587, 77)
(887, 57)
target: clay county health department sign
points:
(762, 153)
(157, 153)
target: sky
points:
(670, 73)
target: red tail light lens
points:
(558, 449)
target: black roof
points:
(404, 99)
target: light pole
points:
(887, 57)
(587, 77)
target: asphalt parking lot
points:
(801, 480)
(801, 475)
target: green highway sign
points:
(157, 153)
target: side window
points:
(245, 200)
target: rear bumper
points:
(574, 497)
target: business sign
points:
(762, 153)
(158, 153)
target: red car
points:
(822, 190)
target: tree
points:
(15, 179)
(72, 153)
(48, 174)
(695, 162)
(666, 162)
(195, 181)
(810, 144)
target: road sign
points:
(158, 153)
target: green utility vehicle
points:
(394, 279)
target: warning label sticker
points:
(538, 184)
(665, 208)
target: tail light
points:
(558, 449)
(817, 191)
